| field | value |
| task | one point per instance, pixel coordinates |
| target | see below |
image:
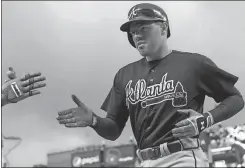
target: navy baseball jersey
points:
(150, 93)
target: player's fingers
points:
(189, 133)
(33, 86)
(28, 76)
(66, 121)
(77, 101)
(180, 135)
(25, 77)
(71, 125)
(30, 81)
(182, 123)
(31, 93)
(184, 135)
(37, 85)
(28, 94)
(65, 112)
(62, 117)
(182, 129)
(33, 80)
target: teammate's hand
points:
(193, 125)
(81, 116)
(16, 89)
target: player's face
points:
(148, 37)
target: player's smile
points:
(141, 44)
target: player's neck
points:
(161, 53)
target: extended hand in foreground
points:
(16, 89)
(81, 116)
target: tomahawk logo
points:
(156, 94)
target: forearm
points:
(227, 108)
(107, 128)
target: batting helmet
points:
(144, 12)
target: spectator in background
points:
(230, 136)
(239, 152)
(213, 144)
(205, 141)
(240, 134)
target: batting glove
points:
(16, 89)
(193, 125)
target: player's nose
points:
(137, 38)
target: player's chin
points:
(144, 51)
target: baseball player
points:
(16, 89)
(163, 94)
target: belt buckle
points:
(151, 153)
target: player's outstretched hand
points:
(193, 125)
(16, 88)
(80, 116)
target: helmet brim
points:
(126, 26)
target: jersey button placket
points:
(151, 79)
(150, 109)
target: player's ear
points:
(164, 28)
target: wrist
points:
(205, 121)
(94, 121)
(209, 118)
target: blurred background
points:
(79, 48)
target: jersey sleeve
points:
(215, 82)
(115, 103)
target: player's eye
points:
(144, 29)
(141, 30)
(133, 33)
